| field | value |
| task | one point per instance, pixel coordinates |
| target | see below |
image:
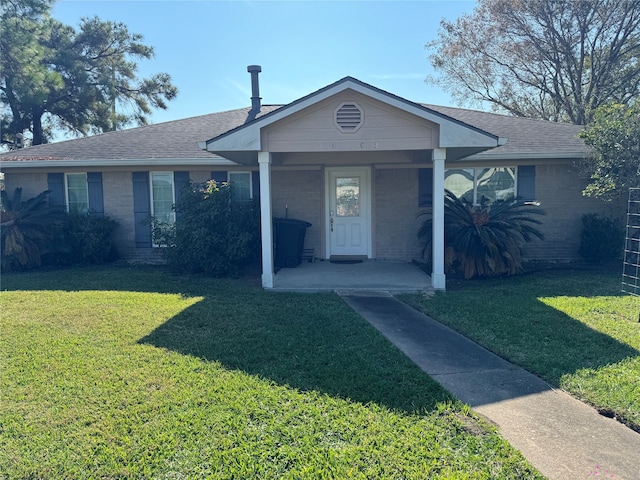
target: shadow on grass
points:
(509, 317)
(308, 342)
(315, 342)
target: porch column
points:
(264, 162)
(438, 279)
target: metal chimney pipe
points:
(254, 70)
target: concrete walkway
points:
(560, 436)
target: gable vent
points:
(349, 117)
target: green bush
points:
(601, 239)
(83, 239)
(212, 234)
(36, 233)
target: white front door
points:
(348, 211)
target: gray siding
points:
(383, 128)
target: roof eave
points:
(484, 156)
(120, 162)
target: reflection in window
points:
(240, 186)
(162, 196)
(472, 184)
(497, 183)
(348, 197)
(460, 182)
(77, 193)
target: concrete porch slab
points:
(368, 276)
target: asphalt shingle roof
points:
(525, 136)
(178, 139)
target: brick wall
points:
(135, 255)
(117, 191)
(118, 204)
(559, 191)
(395, 208)
(302, 191)
(32, 183)
(200, 176)
(395, 204)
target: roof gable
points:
(242, 143)
(349, 121)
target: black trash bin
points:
(289, 241)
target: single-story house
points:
(310, 159)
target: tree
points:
(614, 166)
(553, 59)
(55, 77)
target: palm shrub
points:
(483, 240)
(26, 229)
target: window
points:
(240, 186)
(162, 198)
(493, 183)
(348, 196)
(77, 193)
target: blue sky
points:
(301, 45)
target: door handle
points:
(331, 223)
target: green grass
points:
(134, 373)
(575, 329)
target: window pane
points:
(460, 182)
(77, 193)
(162, 196)
(348, 197)
(496, 183)
(240, 186)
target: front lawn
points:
(135, 373)
(575, 329)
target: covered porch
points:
(347, 132)
(367, 276)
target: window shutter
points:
(527, 183)
(94, 187)
(255, 180)
(219, 177)
(425, 187)
(141, 208)
(180, 182)
(55, 183)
